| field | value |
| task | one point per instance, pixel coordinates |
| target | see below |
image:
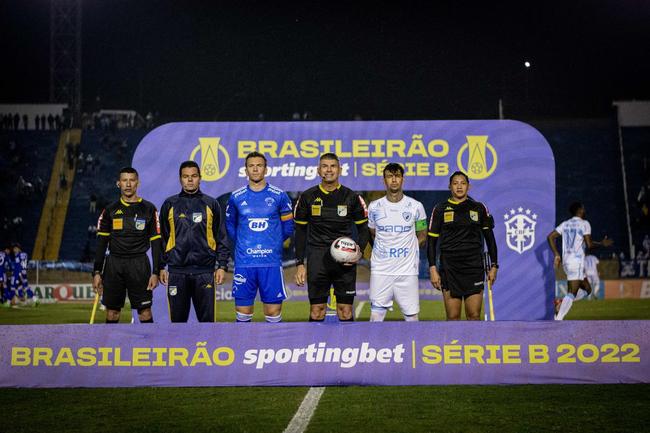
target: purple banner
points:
(303, 354)
(510, 164)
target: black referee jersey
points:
(330, 215)
(128, 229)
(459, 226)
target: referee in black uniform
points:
(460, 224)
(128, 227)
(329, 210)
(196, 253)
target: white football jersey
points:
(573, 233)
(396, 250)
(591, 265)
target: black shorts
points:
(463, 276)
(124, 276)
(323, 272)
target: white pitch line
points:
(359, 308)
(300, 420)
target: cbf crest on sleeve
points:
(510, 166)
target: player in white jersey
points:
(576, 235)
(591, 274)
(398, 225)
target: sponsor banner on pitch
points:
(64, 292)
(306, 354)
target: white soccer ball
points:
(345, 250)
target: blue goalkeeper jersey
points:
(258, 222)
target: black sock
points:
(113, 321)
(351, 319)
(316, 320)
(147, 321)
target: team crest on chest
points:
(269, 201)
(140, 224)
(407, 216)
(342, 210)
(473, 215)
(197, 217)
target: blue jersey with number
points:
(3, 264)
(258, 222)
(20, 263)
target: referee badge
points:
(118, 224)
(342, 210)
(197, 217)
(449, 217)
(315, 210)
(140, 224)
(473, 215)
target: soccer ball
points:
(345, 250)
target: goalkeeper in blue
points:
(259, 218)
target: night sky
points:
(432, 60)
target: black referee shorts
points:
(323, 272)
(463, 275)
(124, 276)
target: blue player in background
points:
(4, 265)
(19, 284)
(259, 218)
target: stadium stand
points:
(28, 154)
(636, 145)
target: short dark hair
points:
(186, 164)
(575, 207)
(458, 173)
(255, 155)
(393, 167)
(329, 155)
(128, 170)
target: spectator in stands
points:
(40, 185)
(50, 122)
(89, 162)
(25, 121)
(37, 120)
(93, 203)
(63, 181)
(16, 121)
(643, 202)
(43, 119)
(81, 162)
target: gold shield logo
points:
(477, 147)
(215, 161)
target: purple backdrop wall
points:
(510, 164)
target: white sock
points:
(411, 318)
(274, 319)
(377, 314)
(581, 294)
(565, 307)
(241, 317)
